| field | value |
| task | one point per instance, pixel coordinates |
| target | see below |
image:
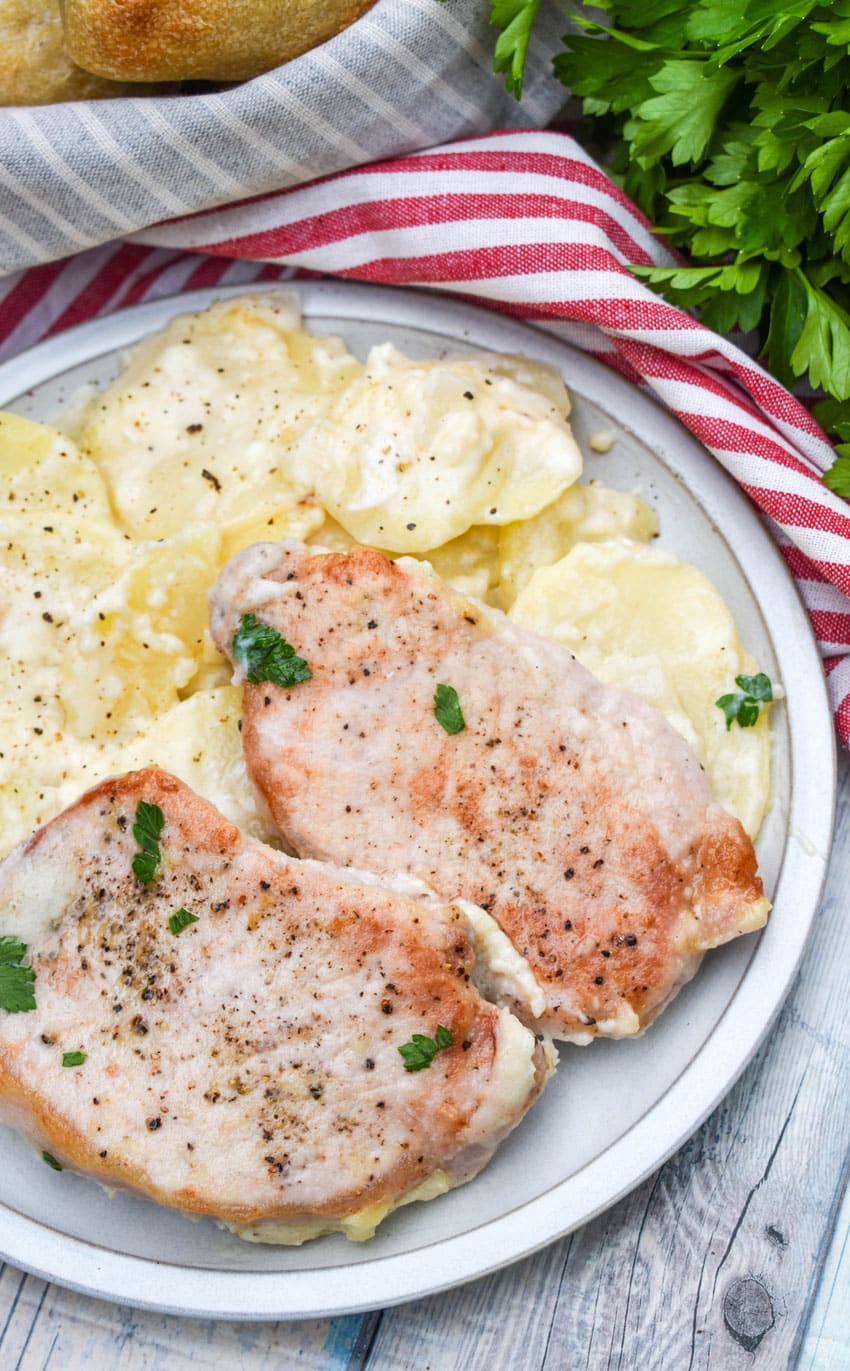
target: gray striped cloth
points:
(408, 75)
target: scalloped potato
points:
(234, 426)
(412, 454)
(201, 422)
(583, 514)
(637, 617)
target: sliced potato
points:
(43, 469)
(199, 424)
(470, 563)
(414, 453)
(584, 513)
(149, 629)
(201, 741)
(637, 617)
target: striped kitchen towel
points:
(526, 223)
(407, 75)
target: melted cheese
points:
(357, 1227)
(501, 974)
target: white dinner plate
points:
(616, 1110)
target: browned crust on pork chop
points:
(247, 1068)
(569, 810)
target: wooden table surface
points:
(734, 1255)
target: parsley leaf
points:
(744, 705)
(823, 348)
(265, 655)
(787, 317)
(515, 18)
(681, 118)
(148, 825)
(11, 949)
(421, 1050)
(17, 995)
(51, 1161)
(180, 919)
(16, 980)
(447, 709)
(73, 1058)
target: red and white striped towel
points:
(526, 223)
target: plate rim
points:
(383, 1281)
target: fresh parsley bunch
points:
(729, 124)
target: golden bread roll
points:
(35, 68)
(212, 40)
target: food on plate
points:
(212, 40)
(202, 445)
(288, 1047)
(35, 68)
(205, 443)
(389, 722)
(235, 426)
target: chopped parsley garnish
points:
(421, 1051)
(265, 655)
(447, 709)
(180, 919)
(146, 830)
(744, 705)
(16, 980)
(73, 1058)
(51, 1161)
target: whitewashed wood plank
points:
(713, 1263)
(827, 1340)
(45, 1327)
(22, 1299)
(500, 1322)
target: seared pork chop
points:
(569, 810)
(234, 1018)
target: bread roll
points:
(35, 68)
(213, 40)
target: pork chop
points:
(569, 810)
(234, 1017)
